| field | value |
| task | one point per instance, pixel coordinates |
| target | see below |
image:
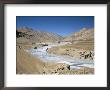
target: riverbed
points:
(74, 63)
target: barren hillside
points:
(28, 35)
(83, 34)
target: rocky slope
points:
(28, 35)
(83, 34)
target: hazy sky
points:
(62, 25)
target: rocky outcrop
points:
(87, 55)
(62, 67)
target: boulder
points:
(62, 66)
(35, 47)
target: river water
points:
(47, 57)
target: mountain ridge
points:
(27, 34)
(83, 34)
(30, 35)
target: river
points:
(74, 63)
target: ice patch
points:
(74, 64)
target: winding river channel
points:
(74, 63)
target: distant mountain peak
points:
(25, 28)
(83, 29)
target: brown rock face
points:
(83, 34)
(28, 35)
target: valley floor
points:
(29, 64)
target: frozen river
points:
(74, 63)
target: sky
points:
(62, 25)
